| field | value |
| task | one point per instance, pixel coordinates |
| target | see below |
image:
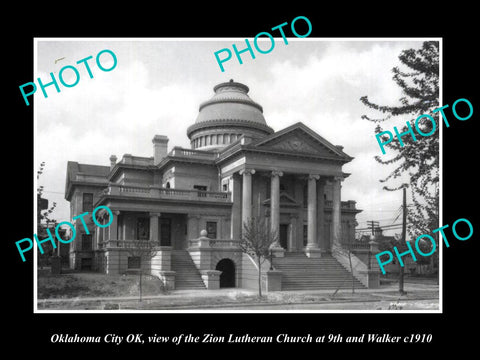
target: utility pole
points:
(373, 225)
(403, 240)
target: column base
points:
(373, 278)
(313, 252)
(278, 251)
(211, 279)
(274, 280)
(167, 278)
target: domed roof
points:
(228, 106)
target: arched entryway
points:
(227, 277)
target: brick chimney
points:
(113, 161)
(160, 147)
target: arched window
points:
(168, 185)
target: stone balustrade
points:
(166, 193)
(205, 242)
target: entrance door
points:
(227, 277)
(284, 236)
(165, 232)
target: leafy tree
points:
(44, 219)
(256, 240)
(417, 159)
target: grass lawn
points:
(72, 285)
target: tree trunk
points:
(140, 284)
(259, 276)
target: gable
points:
(302, 140)
(298, 143)
(285, 200)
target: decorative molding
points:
(247, 171)
(298, 142)
(229, 122)
(276, 173)
(313, 177)
(230, 99)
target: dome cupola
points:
(229, 114)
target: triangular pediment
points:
(300, 139)
(285, 200)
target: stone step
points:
(302, 273)
(186, 273)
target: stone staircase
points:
(302, 273)
(187, 275)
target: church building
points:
(191, 204)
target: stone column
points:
(97, 237)
(193, 231)
(277, 250)
(235, 223)
(275, 204)
(312, 249)
(113, 228)
(322, 242)
(154, 233)
(246, 194)
(293, 232)
(336, 212)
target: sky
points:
(157, 86)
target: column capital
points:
(116, 212)
(276, 173)
(247, 171)
(155, 214)
(322, 180)
(338, 178)
(313, 176)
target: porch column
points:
(104, 230)
(113, 228)
(312, 249)
(236, 226)
(322, 242)
(292, 235)
(336, 212)
(98, 239)
(246, 194)
(193, 232)
(275, 205)
(154, 234)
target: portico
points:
(291, 212)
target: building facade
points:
(191, 203)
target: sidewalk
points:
(208, 299)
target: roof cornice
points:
(229, 123)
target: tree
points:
(43, 219)
(417, 159)
(256, 240)
(144, 250)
